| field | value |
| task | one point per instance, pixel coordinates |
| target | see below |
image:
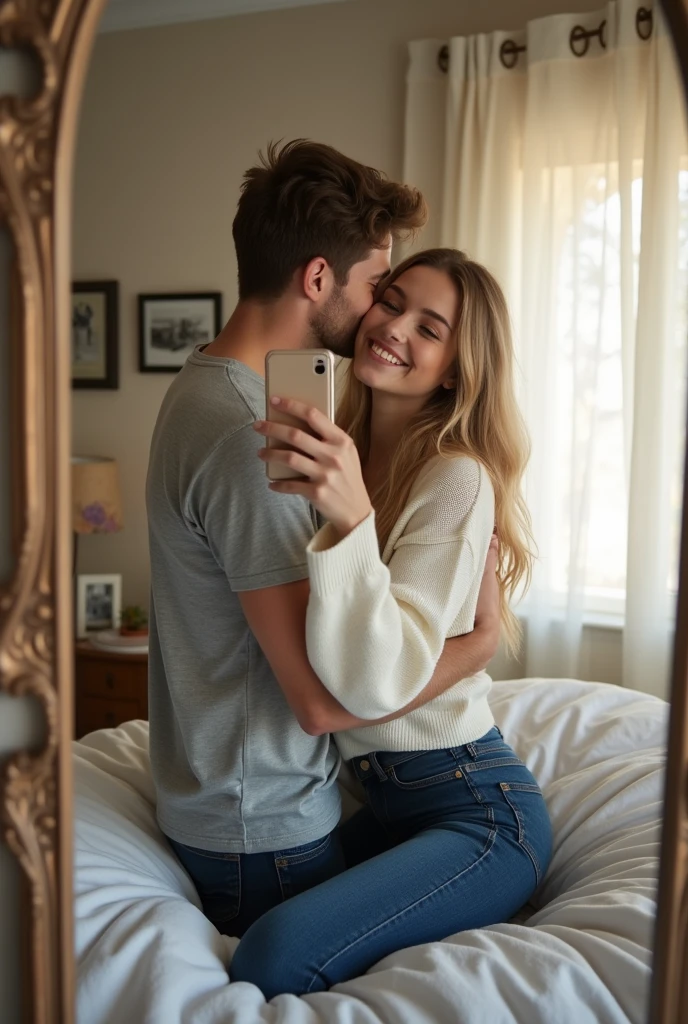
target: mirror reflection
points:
(385, 663)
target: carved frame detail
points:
(36, 151)
(37, 138)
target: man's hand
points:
(488, 609)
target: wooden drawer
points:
(110, 688)
(97, 713)
(112, 679)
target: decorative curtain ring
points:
(643, 22)
(508, 53)
(579, 40)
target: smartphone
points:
(306, 375)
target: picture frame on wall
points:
(98, 603)
(172, 325)
(95, 334)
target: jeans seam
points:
(283, 864)
(489, 843)
(536, 863)
(385, 808)
(238, 899)
(279, 880)
(477, 795)
(522, 841)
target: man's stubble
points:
(335, 326)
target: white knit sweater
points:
(376, 625)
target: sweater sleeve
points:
(375, 632)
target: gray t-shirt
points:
(233, 769)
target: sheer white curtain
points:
(567, 176)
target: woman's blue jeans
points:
(449, 840)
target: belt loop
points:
(375, 765)
(472, 750)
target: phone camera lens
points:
(319, 368)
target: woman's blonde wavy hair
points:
(479, 418)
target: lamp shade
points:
(96, 502)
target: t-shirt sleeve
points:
(256, 536)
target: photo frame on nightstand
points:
(98, 603)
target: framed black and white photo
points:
(171, 326)
(95, 358)
(98, 603)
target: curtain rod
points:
(579, 41)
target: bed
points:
(578, 954)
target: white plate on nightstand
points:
(112, 640)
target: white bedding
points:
(147, 955)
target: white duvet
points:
(147, 955)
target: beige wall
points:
(171, 118)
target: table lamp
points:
(96, 501)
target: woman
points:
(429, 456)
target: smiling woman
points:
(443, 375)
(37, 146)
(402, 321)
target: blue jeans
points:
(235, 889)
(449, 840)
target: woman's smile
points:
(380, 352)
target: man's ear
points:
(317, 279)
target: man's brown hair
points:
(306, 199)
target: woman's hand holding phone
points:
(332, 478)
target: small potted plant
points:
(133, 621)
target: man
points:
(240, 726)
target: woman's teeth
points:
(387, 356)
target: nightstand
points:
(109, 688)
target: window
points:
(588, 452)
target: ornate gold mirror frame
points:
(37, 142)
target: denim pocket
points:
(428, 769)
(301, 854)
(302, 867)
(532, 822)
